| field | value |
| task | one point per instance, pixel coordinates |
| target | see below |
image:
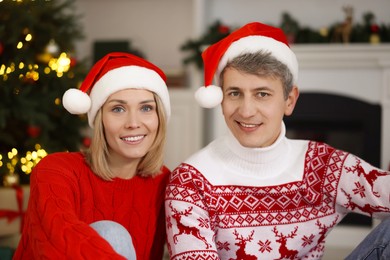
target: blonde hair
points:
(150, 165)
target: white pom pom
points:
(209, 97)
(76, 101)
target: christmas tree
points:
(217, 31)
(37, 41)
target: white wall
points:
(160, 27)
(157, 28)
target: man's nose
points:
(247, 107)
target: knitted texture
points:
(66, 196)
(217, 207)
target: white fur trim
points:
(255, 43)
(76, 101)
(127, 77)
(209, 97)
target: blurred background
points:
(47, 47)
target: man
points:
(254, 194)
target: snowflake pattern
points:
(265, 246)
(204, 222)
(359, 190)
(223, 245)
(307, 240)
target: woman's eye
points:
(147, 108)
(118, 109)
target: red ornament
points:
(33, 131)
(374, 28)
(87, 141)
(73, 62)
(223, 29)
(28, 80)
(1, 48)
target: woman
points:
(107, 202)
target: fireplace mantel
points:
(360, 71)
(342, 55)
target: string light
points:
(12, 160)
(25, 163)
(59, 65)
(28, 37)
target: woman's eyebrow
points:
(148, 101)
(121, 101)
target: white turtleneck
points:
(226, 162)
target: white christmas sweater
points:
(279, 202)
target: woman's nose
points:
(133, 120)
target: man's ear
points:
(291, 101)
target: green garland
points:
(360, 33)
(216, 32)
(366, 32)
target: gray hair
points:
(262, 64)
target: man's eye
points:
(263, 94)
(234, 93)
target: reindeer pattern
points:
(325, 228)
(241, 243)
(371, 176)
(367, 208)
(184, 229)
(285, 253)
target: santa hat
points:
(252, 37)
(115, 71)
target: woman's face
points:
(130, 124)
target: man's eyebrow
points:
(255, 89)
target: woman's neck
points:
(123, 169)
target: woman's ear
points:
(291, 101)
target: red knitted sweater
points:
(66, 196)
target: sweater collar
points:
(258, 155)
(258, 163)
(226, 162)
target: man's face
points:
(254, 107)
